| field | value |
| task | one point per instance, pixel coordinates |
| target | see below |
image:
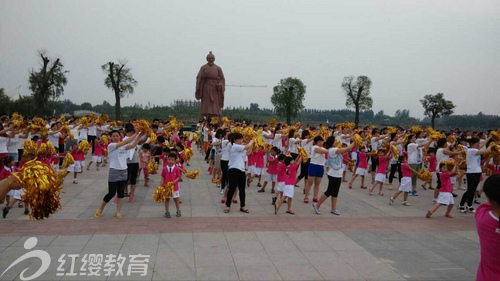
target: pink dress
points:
(488, 230)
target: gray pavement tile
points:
(106, 239)
(343, 245)
(301, 235)
(174, 259)
(246, 247)
(174, 273)
(213, 259)
(42, 240)
(241, 236)
(258, 273)
(372, 268)
(216, 273)
(288, 258)
(71, 240)
(298, 272)
(143, 239)
(451, 271)
(471, 235)
(337, 269)
(102, 249)
(251, 259)
(173, 246)
(462, 259)
(322, 257)
(6, 241)
(332, 235)
(312, 245)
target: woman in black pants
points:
(224, 161)
(236, 170)
(395, 164)
(117, 180)
(473, 172)
(306, 143)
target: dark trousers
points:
(61, 150)
(114, 188)
(237, 179)
(472, 183)
(223, 165)
(394, 168)
(303, 170)
(91, 140)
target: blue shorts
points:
(315, 170)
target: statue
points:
(210, 87)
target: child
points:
(361, 170)
(164, 156)
(405, 186)
(288, 189)
(281, 177)
(79, 160)
(445, 189)
(145, 156)
(172, 173)
(272, 170)
(97, 155)
(495, 167)
(259, 165)
(383, 160)
(251, 168)
(431, 158)
(488, 230)
(14, 195)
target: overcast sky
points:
(407, 48)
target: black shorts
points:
(374, 164)
(333, 186)
(132, 172)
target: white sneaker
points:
(391, 200)
(221, 191)
(406, 203)
(75, 181)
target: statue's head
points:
(210, 58)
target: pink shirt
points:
(98, 149)
(251, 159)
(432, 163)
(272, 167)
(170, 174)
(292, 174)
(363, 161)
(405, 168)
(495, 169)
(345, 158)
(189, 143)
(78, 155)
(382, 166)
(281, 172)
(163, 158)
(445, 182)
(489, 240)
(259, 158)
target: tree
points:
(120, 80)
(5, 103)
(402, 114)
(288, 97)
(436, 106)
(86, 106)
(254, 107)
(48, 82)
(358, 94)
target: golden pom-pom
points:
(236, 130)
(303, 154)
(323, 132)
(17, 117)
(214, 120)
(84, 146)
(358, 141)
(188, 153)
(143, 127)
(195, 137)
(162, 192)
(68, 161)
(394, 151)
(42, 187)
(30, 148)
(153, 138)
(46, 150)
(105, 139)
(415, 129)
(424, 175)
(272, 123)
(248, 133)
(192, 174)
(187, 134)
(452, 139)
(152, 167)
(495, 136)
(226, 121)
(392, 129)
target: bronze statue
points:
(210, 87)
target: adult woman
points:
(395, 165)
(117, 180)
(316, 168)
(292, 144)
(473, 172)
(217, 147)
(334, 174)
(236, 170)
(415, 159)
(4, 139)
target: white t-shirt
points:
(292, 145)
(237, 157)
(344, 139)
(205, 134)
(267, 134)
(3, 144)
(54, 139)
(117, 157)
(92, 130)
(440, 156)
(13, 144)
(216, 148)
(277, 141)
(317, 158)
(332, 153)
(473, 161)
(412, 151)
(82, 134)
(376, 144)
(225, 150)
(307, 146)
(133, 154)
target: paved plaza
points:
(371, 240)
